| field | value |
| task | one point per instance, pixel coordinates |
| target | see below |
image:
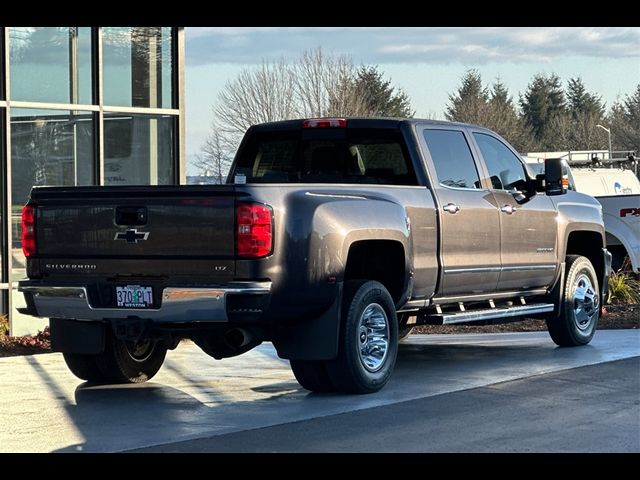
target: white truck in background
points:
(615, 186)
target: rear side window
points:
(452, 158)
(364, 156)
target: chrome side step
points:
(491, 313)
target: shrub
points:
(40, 340)
(623, 288)
(4, 327)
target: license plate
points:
(134, 296)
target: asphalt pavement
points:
(585, 409)
(495, 392)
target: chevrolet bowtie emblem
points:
(131, 236)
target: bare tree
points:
(313, 85)
(214, 159)
(257, 95)
(325, 85)
(624, 119)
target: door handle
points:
(508, 209)
(451, 208)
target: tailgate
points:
(170, 223)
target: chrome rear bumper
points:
(178, 304)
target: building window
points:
(3, 209)
(69, 116)
(50, 64)
(139, 149)
(2, 71)
(137, 66)
(48, 147)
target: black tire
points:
(364, 301)
(83, 367)
(578, 318)
(126, 363)
(312, 375)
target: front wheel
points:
(368, 342)
(580, 308)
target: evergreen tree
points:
(543, 102)
(504, 120)
(469, 103)
(579, 101)
(624, 120)
(381, 99)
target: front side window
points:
(505, 169)
(452, 158)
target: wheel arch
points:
(384, 261)
(588, 244)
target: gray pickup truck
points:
(331, 239)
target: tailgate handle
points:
(131, 215)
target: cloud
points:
(446, 45)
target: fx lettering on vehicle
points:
(630, 211)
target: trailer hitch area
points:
(130, 329)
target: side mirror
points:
(556, 179)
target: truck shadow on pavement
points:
(110, 412)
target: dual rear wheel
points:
(367, 345)
(121, 362)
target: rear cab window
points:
(346, 155)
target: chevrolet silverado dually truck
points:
(331, 239)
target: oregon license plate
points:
(134, 296)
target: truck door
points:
(528, 226)
(470, 225)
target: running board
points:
(492, 313)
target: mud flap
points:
(555, 296)
(604, 282)
(72, 336)
(312, 338)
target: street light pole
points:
(609, 133)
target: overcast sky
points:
(426, 62)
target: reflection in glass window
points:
(505, 169)
(3, 234)
(452, 158)
(138, 149)
(137, 66)
(48, 147)
(50, 64)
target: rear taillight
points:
(254, 234)
(324, 123)
(28, 231)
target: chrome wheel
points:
(585, 302)
(373, 337)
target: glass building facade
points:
(84, 106)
